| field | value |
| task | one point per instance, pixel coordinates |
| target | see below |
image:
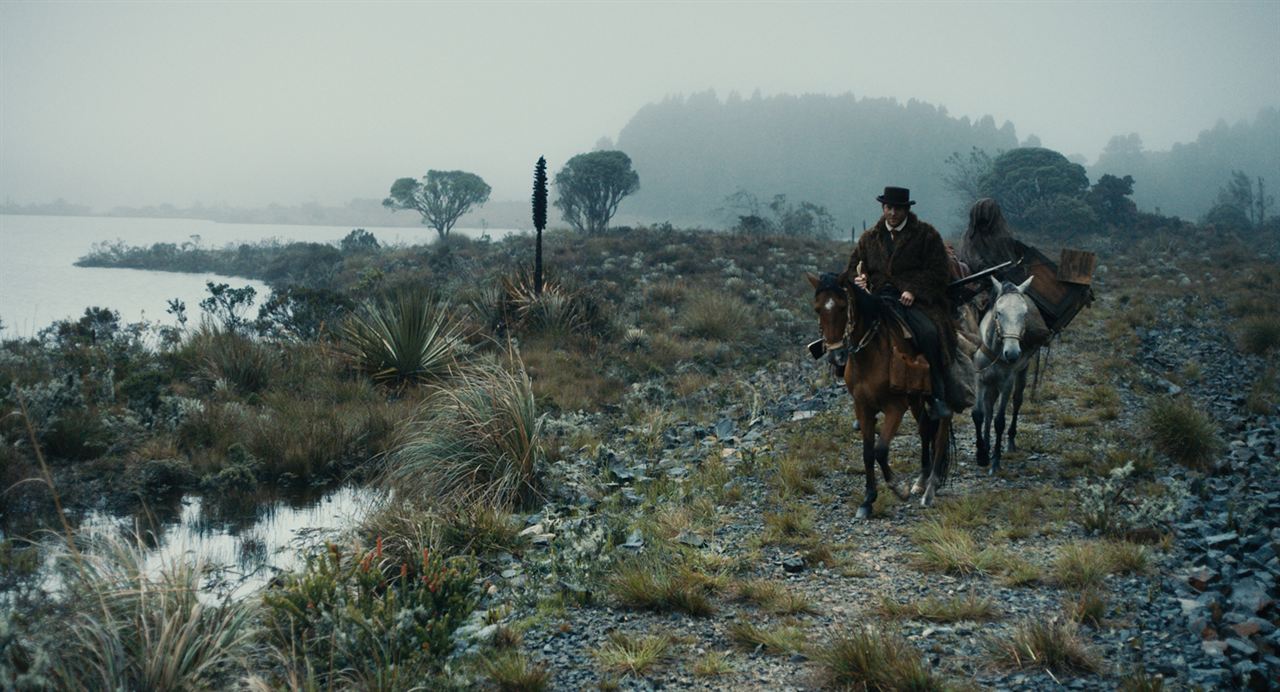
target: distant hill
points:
(1184, 181)
(837, 151)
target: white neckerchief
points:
(898, 228)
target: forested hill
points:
(1185, 180)
(836, 151)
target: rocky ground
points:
(750, 492)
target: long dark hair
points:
(987, 240)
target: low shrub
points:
(358, 617)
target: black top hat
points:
(896, 197)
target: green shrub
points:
(480, 441)
(360, 618)
(1182, 432)
(408, 339)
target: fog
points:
(110, 104)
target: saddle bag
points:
(909, 374)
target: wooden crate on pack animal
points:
(1060, 289)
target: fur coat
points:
(918, 263)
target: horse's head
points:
(1010, 314)
(832, 305)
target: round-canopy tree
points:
(591, 186)
(1028, 178)
(440, 196)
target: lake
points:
(39, 282)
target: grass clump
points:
(776, 640)
(954, 609)
(873, 659)
(717, 316)
(793, 524)
(478, 442)
(1085, 565)
(1260, 334)
(409, 338)
(512, 671)
(654, 584)
(633, 654)
(713, 663)
(952, 550)
(772, 596)
(1088, 607)
(1055, 646)
(1182, 432)
(132, 628)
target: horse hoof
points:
(992, 470)
(863, 512)
(926, 500)
(917, 488)
(897, 490)
(1012, 447)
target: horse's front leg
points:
(938, 466)
(1019, 385)
(889, 429)
(981, 415)
(996, 444)
(868, 429)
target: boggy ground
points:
(708, 540)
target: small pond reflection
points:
(244, 541)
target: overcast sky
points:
(139, 103)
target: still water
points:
(244, 544)
(40, 284)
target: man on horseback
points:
(903, 259)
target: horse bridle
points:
(1000, 334)
(829, 283)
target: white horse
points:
(1001, 365)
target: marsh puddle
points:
(242, 542)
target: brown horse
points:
(859, 334)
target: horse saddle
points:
(909, 373)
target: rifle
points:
(958, 290)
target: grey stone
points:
(725, 428)
(1222, 539)
(793, 564)
(635, 541)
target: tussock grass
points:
(795, 476)
(1020, 572)
(479, 529)
(654, 584)
(1260, 334)
(1182, 432)
(478, 442)
(792, 524)
(1052, 645)
(409, 338)
(873, 659)
(713, 663)
(1085, 565)
(774, 640)
(512, 671)
(131, 628)
(717, 316)
(633, 654)
(225, 358)
(953, 550)
(773, 596)
(953, 609)
(1088, 607)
